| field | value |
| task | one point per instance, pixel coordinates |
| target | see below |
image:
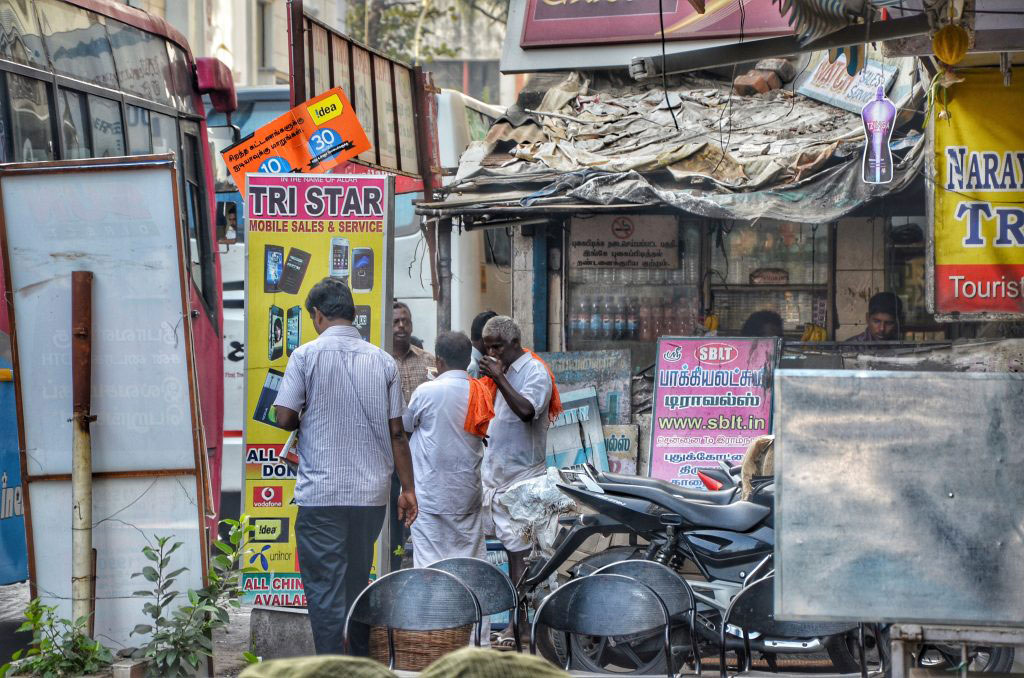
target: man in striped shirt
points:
(349, 395)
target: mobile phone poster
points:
(712, 397)
(301, 228)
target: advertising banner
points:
(13, 555)
(301, 229)
(978, 197)
(607, 371)
(576, 435)
(712, 397)
(313, 137)
(569, 22)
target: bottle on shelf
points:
(632, 320)
(646, 329)
(594, 313)
(618, 319)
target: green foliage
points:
(410, 30)
(181, 637)
(59, 647)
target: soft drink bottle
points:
(619, 319)
(594, 330)
(632, 321)
(607, 318)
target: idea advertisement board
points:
(977, 200)
(300, 229)
(712, 397)
(313, 137)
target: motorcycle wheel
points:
(842, 650)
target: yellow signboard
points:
(300, 229)
(979, 196)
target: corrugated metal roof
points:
(587, 144)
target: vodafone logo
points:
(716, 354)
(267, 496)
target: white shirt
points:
(474, 363)
(445, 457)
(516, 449)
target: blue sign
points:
(13, 551)
(275, 165)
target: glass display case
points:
(652, 290)
(770, 265)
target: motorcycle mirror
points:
(668, 519)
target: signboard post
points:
(977, 201)
(301, 229)
(712, 397)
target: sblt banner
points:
(978, 197)
(712, 397)
(300, 229)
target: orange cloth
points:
(554, 406)
(481, 408)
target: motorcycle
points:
(717, 540)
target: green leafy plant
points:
(181, 636)
(59, 647)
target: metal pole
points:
(81, 451)
(444, 274)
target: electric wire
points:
(664, 77)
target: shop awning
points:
(595, 147)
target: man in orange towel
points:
(446, 459)
(517, 436)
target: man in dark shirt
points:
(884, 319)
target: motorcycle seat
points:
(709, 496)
(739, 516)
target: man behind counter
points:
(884, 318)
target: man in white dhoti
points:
(447, 456)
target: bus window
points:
(143, 67)
(181, 80)
(77, 42)
(21, 42)
(31, 135)
(194, 214)
(107, 129)
(165, 135)
(74, 127)
(139, 140)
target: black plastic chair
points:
(493, 589)
(417, 599)
(670, 587)
(753, 609)
(603, 605)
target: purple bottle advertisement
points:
(878, 116)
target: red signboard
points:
(553, 23)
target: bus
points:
(480, 261)
(98, 78)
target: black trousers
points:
(335, 546)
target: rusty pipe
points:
(81, 449)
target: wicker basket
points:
(416, 650)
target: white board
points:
(118, 219)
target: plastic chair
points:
(603, 605)
(417, 599)
(670, 587)
(493, 589)
(753, 609)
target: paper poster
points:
(576, 436)
(621, 445)
(978, 196)
(607, 371)
(311, 138)
(630, 241)
(712, 397)
(300, 229)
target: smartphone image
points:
(294, 270)
(265, 405)
(273, 267)
(339, 259)
(294, 333)
(275, 333)
(362, 269)
(362, 321)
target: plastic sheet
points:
(534, 505)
